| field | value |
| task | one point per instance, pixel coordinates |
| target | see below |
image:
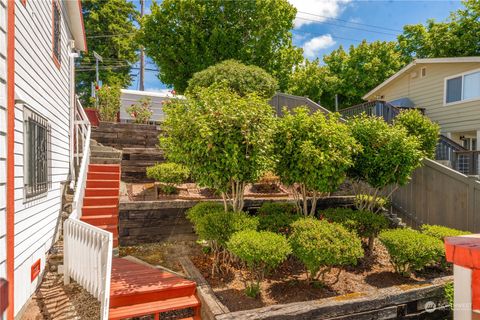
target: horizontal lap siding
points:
(46, 91)
(428, 93)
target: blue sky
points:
(323, 25)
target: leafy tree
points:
(184, 37)
(224, 139)
(110, 25)
(235, 75)
(108, 102)
(313, 153)
(313, 81)
(457, 36)
(421, 127)
(361, 69)
(388, 159)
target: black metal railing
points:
(466, 162)
(376, 108)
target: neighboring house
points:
(38, 42)
(448, 89)
(129, 97)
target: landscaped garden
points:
(225, 140)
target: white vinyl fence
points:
(87, 249)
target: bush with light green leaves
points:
(261, 251)
(421, 127)
(365, 223)
(321, 245)
(314, 153)
(411, 250)
(441, 232)
(168, 174)
(388, 159)
(224, 139)
(277, 216)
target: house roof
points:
(75, 17)
(418, 62)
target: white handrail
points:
(87, 249)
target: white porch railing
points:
(87, 249)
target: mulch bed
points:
(288, 283)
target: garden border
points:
(385, 303)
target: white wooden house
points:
(38, 42)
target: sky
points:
(321, 26)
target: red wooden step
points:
(100, 201)
(148, 308)
(99, 210)
(107, 227)
(101, 219)
(103, 176)
(101, 192)
(103, 168)
(133, 283)
(115, 243)
(103, 184)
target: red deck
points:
(138, 290)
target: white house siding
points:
(46, 90)
(3, 140)
(428, 92)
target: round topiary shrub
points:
(201, 209)
(261, 251)
(365, 223)
(168, 174)
(277, 216)
(411, 250)
(319, 244)
(440, 232)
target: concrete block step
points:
(103, 160)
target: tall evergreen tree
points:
(111, 32)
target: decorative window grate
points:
(37, 154)
(57, 31)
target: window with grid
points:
(57, 31)
(37, 141)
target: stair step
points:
(148, 308)
(103, 176)
(99, 210)
(105, 154)
(101, 192)
(103, 184)
(100, 219)
(102, 160)
(103, 168)
(100, 201)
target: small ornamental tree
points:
(108, 102)
(388, 158)
(224, 139)
(241, 78)
(141, 112)
(421, 127)
(314, 153)
(168, 174)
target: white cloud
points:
(314, 45)
(319, 10)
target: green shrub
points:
(374, 202)
(365, 223)
(241, 78)
(421, 127)
(318, 244)
(198, 211)
(108, 102)
(277, 216)
(141, 112)
(168, 174)
(440, 232)
(218, 225)
(448, 293)
(411, 250)
(261, 251)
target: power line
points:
(351, 22)
(348, 27)
(110, 35)
(322, 34)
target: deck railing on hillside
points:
(284, 100)
(467, 162)
(87, 249)
(372, 108)
(446, 149)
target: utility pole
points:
(97, 80)
(336, 103)
(142, 54)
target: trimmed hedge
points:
(318, 243)
(440, 232)
(277, 216)
(169, 174)
(411, 250)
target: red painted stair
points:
(138, 290)
(100, 203)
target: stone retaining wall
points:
(158, 221)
